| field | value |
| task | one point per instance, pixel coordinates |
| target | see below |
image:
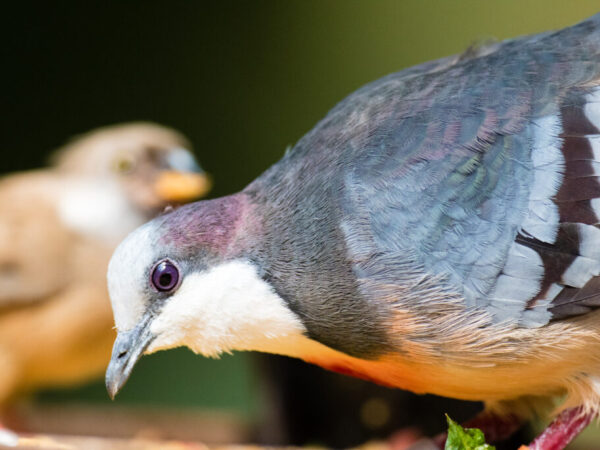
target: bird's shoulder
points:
(482, 176)
(473, 171)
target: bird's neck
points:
(243, 237)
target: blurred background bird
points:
(58, 227)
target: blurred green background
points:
(243, 80)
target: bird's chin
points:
(198, 347)
(160, 343)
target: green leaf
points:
(460, 438)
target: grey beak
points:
(181, 159)
(128, 348)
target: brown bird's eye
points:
(124, 165)
(165, 276)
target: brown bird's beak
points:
(128, 348)
(176, 186)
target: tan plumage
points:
(58, 228)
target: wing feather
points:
(482, 177)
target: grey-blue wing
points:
(484, 175)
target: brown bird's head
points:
(150, 163)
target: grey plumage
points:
(440, 185)
(438, 225)
(436, 172)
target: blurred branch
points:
(129, 422)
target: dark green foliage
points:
(460, 438)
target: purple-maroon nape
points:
(209, 224)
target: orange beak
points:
(174, 186)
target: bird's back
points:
(472, 181)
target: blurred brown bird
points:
(58, 228)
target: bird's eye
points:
(165, 276)
(124, 165)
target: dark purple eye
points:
(165, 276)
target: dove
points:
(438, 231)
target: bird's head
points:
(152, 164)
(187, 279)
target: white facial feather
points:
(126, 276)
(227, 308)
